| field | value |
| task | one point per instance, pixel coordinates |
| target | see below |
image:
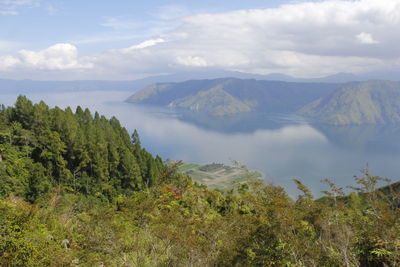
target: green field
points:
(218, 176)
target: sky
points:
(125, 39)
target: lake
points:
(282, 147)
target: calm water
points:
(281, 147)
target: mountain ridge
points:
(229, 96)
(369, 102)
(372, 102)
(27, 85)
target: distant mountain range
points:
(370, 102)
(27, 86)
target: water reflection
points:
(241, 123)
(280, 146)
(370, 139)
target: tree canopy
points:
(42, 147)
(77, 190)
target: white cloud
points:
(56, 57)
(120, 28)
(192, 61)
(366, 38)
(147, 43)
(307, 39)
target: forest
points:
(76, 189)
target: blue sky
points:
(121, 39)
(94, 26)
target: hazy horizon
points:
(131, 40)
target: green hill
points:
(372, 102)
(230, 96)
(43, 148)
(215, 101)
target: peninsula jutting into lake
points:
(200, 133)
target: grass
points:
(187, 167)
(218, 176)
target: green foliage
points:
(75, 191)
(177, 224)
(368, 102)
(43, 148)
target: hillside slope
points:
(43, 148)
(371, 102)
(229, 96)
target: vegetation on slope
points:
(41, 148)
(230, 96)
(371, 102)
(214, 101)
(183, 225)
(117, 213)
(218, 176)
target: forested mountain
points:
(232, 96)
(371, 102)
(42, 148)
(77, 190)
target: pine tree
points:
(136, 139)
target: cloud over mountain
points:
(307, 39)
